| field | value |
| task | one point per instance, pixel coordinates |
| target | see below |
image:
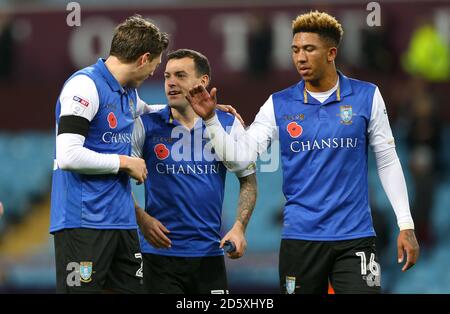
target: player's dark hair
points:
(320, 23)
(202, 66)
(135, 37)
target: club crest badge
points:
(86, 271)
(290, 285)
(346, 115)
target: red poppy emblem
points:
(112, 120)
(161, 151)
(294, 129)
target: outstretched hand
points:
(203, 103)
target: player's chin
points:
(138, 82)
(307, 77)
(133, 84)
(179, 104)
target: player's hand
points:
(230, 109)
(236, 235)
(203, 103)
(135, 167)
(154, 231)
(1, 210)
(407, 242)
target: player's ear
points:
(204, 80)
(145, 58)
(332, 53)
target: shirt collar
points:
(344, 89)
(166, 116)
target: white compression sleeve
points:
(393, 182)
(248, 146)
(235, 153)
(71, 155)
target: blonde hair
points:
(320, 23)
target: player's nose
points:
(301, 58)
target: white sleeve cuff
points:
(406, 226)
(251, 169)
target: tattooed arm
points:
(247, 200)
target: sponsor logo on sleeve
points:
(82, 101)
(79, 105)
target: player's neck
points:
(118, 69)
(326, 83)
(186, 116)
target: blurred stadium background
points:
(248, 44)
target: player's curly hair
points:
(136, 36)
(320, 23)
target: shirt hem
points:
(183, 254)
(327, 238)
(119, 227)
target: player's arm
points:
(392, 179)
(142, 107)
(247, 199)
(244, 167)
(246, 204)
(79, 105)
(234, 151)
